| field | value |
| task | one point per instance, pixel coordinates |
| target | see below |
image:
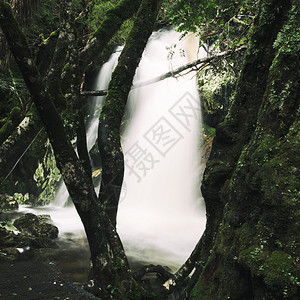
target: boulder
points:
(43, 242)
(33, 234)
(36, 226)
(42, 229)
(45, 219)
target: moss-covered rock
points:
(16, 245)
(31, 224)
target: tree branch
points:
(27, 131)
(53, 77)
(110, 25)
(193, 66)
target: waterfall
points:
(161, 214)
(101, 83)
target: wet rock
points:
(42, 229)
(6, 237)
(36, 226)
(45, 218)
(10, 253)
(8, 202)
(26, 221)
(16, 253)
(44, 242)
(15, 245)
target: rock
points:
(43, 242)
(36, 226)
(8, 202)
(45, 218)
(42, 229)
(34, 234)
(14, 253)
(25, 222)
(6, 237)
(10, 253)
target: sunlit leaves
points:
(216, 21)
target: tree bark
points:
(58, 60)
(110, 270)
(114, 107)
(18, 143)
(15, 146)
(110, 25)
(250, 198)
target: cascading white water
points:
(101, 83)
(66, 217)
(161, 214)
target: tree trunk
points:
(110, 25)
(251, 244)
(111, 275)
(114, 107)
(17, 144)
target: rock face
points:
(251, 185)
(36, 226)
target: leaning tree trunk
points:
(17, 144)
(114, 107)
(250, 249)
(110, 270)
(78, 184)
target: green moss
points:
(202, 290)
(15, 114)
(253, 258)
(258, 199)
(277, 269)
(208, 131)
(246, 234)
(10, 124)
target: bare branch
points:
(194, 66)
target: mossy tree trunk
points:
(111, 275)
(19, 141)
(114, 107)
(13, 148)
(250, 249)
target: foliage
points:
(46, 176)
(45, 21)
(215, 21)
(98, 10)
